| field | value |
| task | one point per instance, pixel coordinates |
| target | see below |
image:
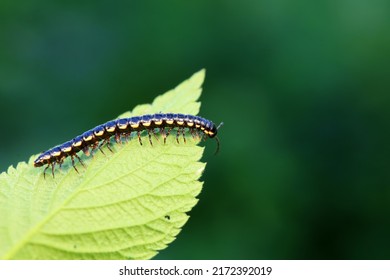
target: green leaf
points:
(124, 205)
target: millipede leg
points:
(107, 143)
(167, 134)
(82, 163)
(178, 134)
(44, 171)
(163, 134)
(109, 146)
(183, 132)
(100, 149)
(127, 136)
(139, 137)
(150, 136)
(199, 134)
(74, 166)
(86, 151)
(52, 168)
(93, 148)
(193, 134)
(118, 138)
(155, 135)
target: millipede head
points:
(212, 129)
(42, 159)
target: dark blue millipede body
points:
(101, 135)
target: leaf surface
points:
(124, 205)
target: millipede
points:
(118, 129)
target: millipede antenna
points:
(217, 139)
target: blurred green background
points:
(302, 86)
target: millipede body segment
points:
(124, 127)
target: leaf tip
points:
(198, 77)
